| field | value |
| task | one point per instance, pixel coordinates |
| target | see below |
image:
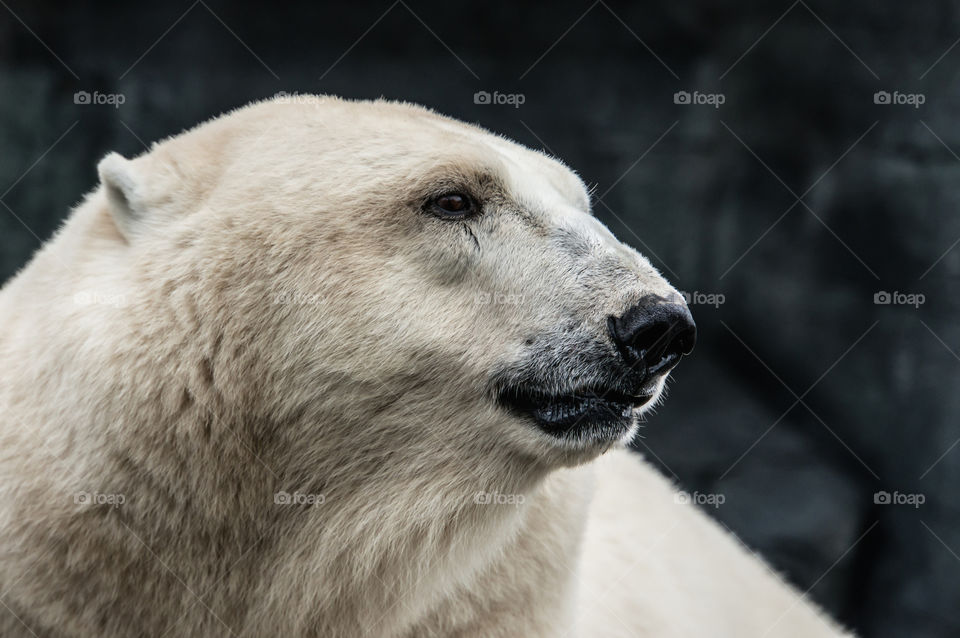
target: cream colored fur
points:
(261, 306)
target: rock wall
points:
(784, 164)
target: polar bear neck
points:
(396, 541)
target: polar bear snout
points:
(589, 387)
(653, 334)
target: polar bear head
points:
(353, 273)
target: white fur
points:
(262, 306)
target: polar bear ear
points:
(124, 191)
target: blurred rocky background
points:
(793, 167)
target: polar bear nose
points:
(654, 333)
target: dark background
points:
(804, 397)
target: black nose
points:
(653, 334)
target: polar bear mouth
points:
(600, 413)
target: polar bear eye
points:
(454, 205)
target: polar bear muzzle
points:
(625, 375)
(653, 334)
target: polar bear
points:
(333, 368)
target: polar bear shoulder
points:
(653, 564)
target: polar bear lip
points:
(594, 413)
